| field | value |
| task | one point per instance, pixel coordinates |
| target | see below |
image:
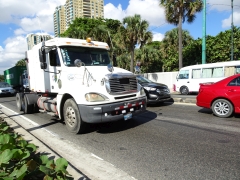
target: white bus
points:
(189, 77)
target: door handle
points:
(231, 90)
(188, 82)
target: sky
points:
(20, 18)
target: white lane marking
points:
(96, 156)
(29, 120)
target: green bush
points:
(19, 160)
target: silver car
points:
(6, 89)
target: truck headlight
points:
(150, 88)
(94, 97)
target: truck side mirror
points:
(43, 65)
(42, 55)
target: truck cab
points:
(74, 79)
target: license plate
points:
(127, 116)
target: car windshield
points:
(142, 79)
(3, 85)
(90, 56)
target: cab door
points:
(54, 71)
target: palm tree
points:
(171, 38)
(176, 11)
(133, 33)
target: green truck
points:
(16, 77)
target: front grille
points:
(123, 85)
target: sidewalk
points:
(182, 99)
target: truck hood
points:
(99, 72)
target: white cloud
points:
(223, 5)
(226, 23)
(30, 16)
(112, 12)
(158, 36)
(14, 51)
(19, 31)
(148, 9)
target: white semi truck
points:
(74, 80)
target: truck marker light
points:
(124, 111)
(88, 40)
(68, 43)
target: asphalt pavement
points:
(97, 169)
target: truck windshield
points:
(90, 56)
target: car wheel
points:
(222, 108)
(72, 117)
(184, 90)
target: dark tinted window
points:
(235, 82)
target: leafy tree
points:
(218, 48)
(169, 48)
(134, 32)
(177, 11)
(21, 62)
(1, 78)
(150, 58)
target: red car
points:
(223, 97)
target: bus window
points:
(217, 72)
(229, 71)
(196, 73)
(237, 69)
(207, 72)
(183, 74)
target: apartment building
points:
(59, 20)
(33, 39)
(65, 14)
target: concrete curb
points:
(41, 148)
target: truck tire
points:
(19, 101)
(28, 108)
(72, 117)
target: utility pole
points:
(204, 34)
(232, 33)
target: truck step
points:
(50, 113)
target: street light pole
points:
(232, 33)
(204, 34)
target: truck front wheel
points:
(72, 117)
